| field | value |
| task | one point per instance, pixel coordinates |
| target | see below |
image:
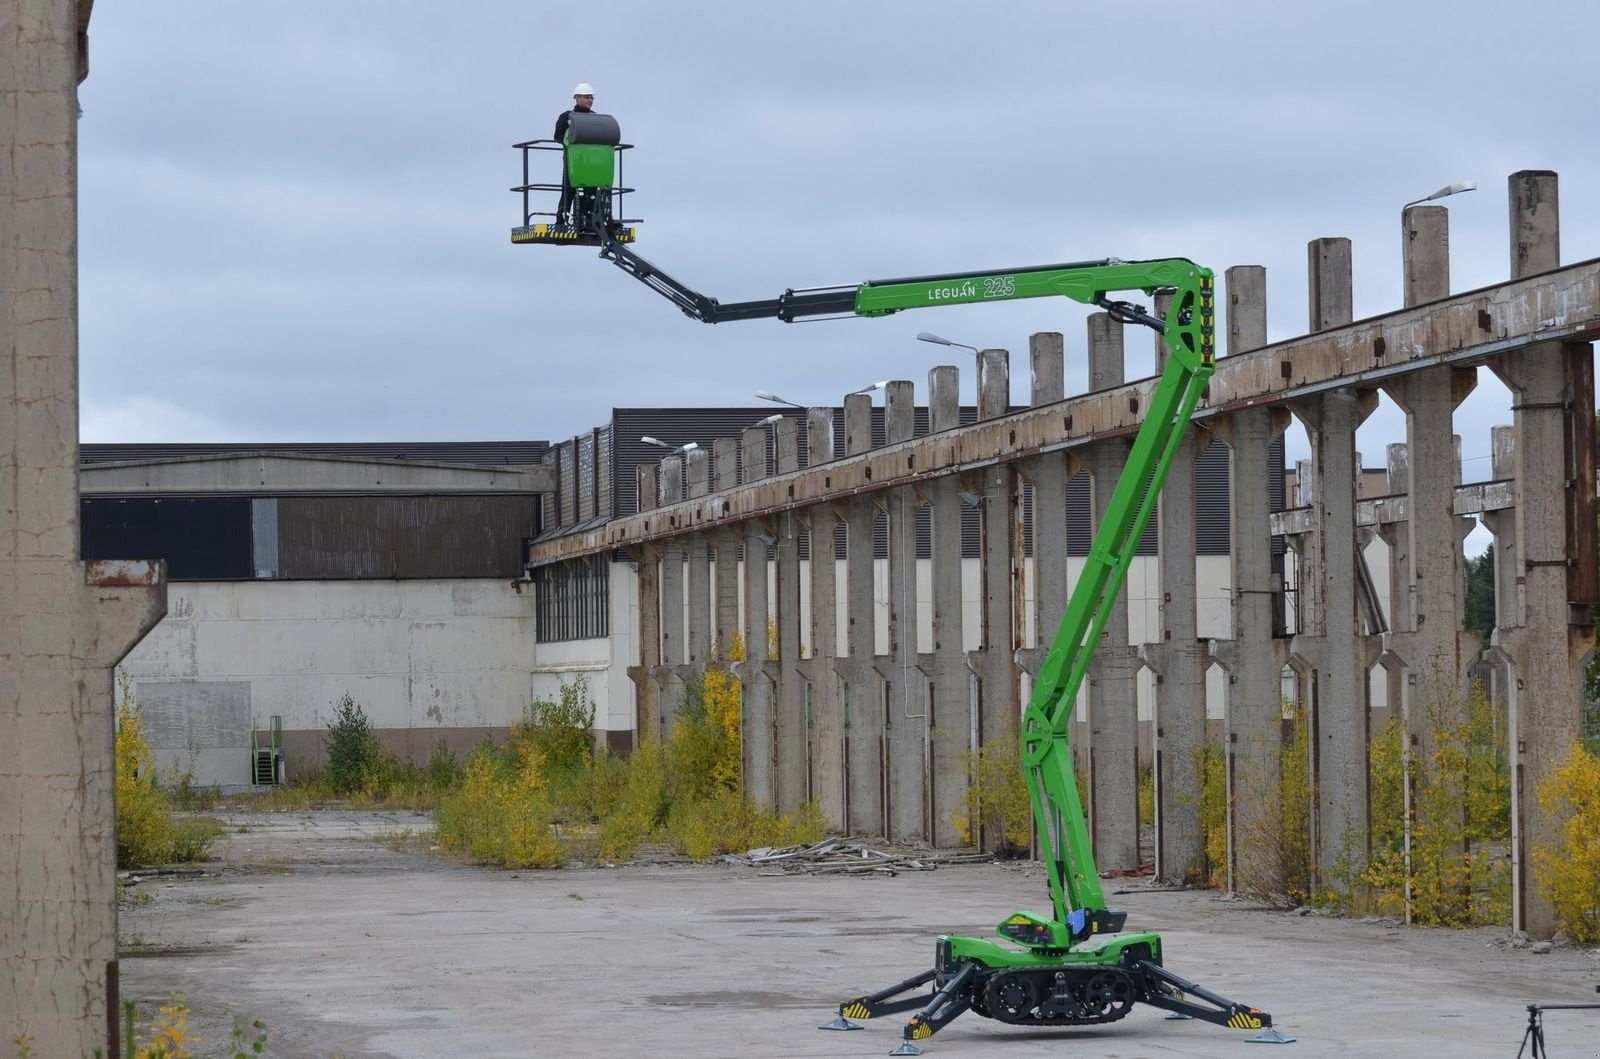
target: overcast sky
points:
(295, 215)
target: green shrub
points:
(443, 771)
(641, 807)
(997, 798)
(560, 732)
(352, 748)
(1147, 797)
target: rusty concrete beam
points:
(1563, 304)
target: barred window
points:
(572, 599)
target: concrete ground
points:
(347, 939)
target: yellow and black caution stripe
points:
(549, 233)
(1243, 1021)
(920, 1031)
(855, 1010)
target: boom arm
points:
(1063, 833)
(1189, 333)
(1083, 281)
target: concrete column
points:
(1113, 705)
(725, 453)
(1332, 299)
(1425, 253)
(756, 672)
(1535, 222)
(65, 623)
(1253, 658)
(1332, 643)
(951, 724)
(907, 708)
(674, 632)
(1048, 474)
(864, 710)
(649, 674)
(793, 737)
(999, 705)
(1426, 565)
(1178, 660)
(994, 383)
(1545, 636)
(827, 697)
(696, 471)
(1045, 357)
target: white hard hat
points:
(584, 89)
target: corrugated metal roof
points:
(486, 453)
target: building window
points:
(572, 599)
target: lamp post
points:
(763, 395)
(1443, 193)
(927, 336)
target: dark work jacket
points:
(565, 119)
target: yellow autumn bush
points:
(502, 815)
(1569, 871)
(145, 828)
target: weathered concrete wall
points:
(424, 656)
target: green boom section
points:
(1063, 832)
(1189, 331)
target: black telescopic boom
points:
(787, 307)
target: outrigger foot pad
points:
(906, 1048)
(841, 1023)
(1270, 1035)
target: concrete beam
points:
(1467, 328)
(288, 473)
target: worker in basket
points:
(588, 162)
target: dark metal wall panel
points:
(602, 463)
(201, 538)
(585, 458)
(403, 536)
(567, 482)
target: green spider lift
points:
(1074, 966)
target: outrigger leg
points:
(1163, 989)
(879, 1003)
(951, 1000)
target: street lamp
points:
(1444, 192)
(771, 419)
(763, 395)
(868, 389)
(670, 448)
(925, 336)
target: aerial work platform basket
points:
(591, 191)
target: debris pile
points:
(840, 856)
